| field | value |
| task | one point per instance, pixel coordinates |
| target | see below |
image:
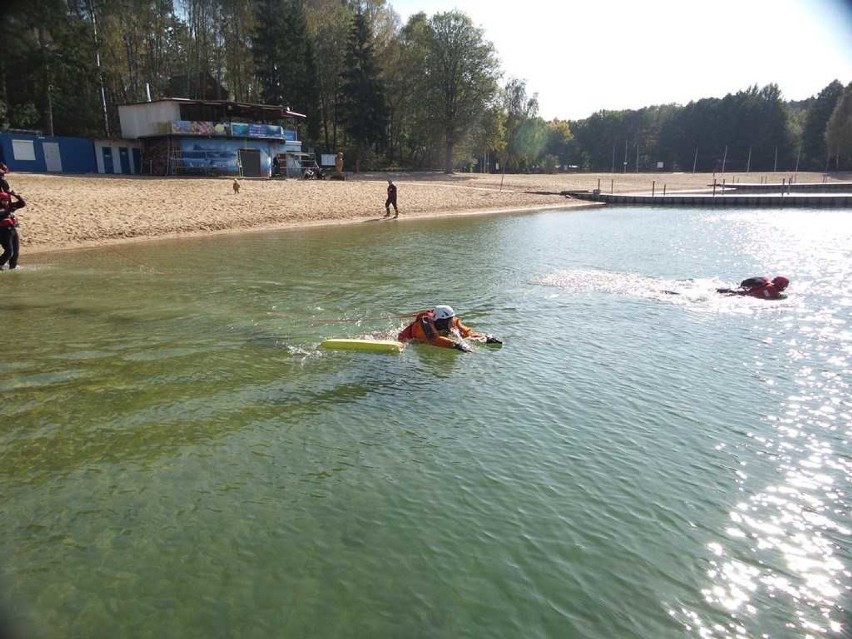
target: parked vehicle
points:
(311, 170)
(296, 164)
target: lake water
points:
(180, 458)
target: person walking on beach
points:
(391, 200)
(8, 228)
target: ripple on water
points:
(632, 463)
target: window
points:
(23, 150)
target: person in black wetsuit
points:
(391, 201)
(8, 228)
(761, 287)
(4, 185)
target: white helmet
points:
(444, 312)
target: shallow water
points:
(179, 457)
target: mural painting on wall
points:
(219, 156)
(197, 127)
(250, 130)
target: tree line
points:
(753, 129)
(428, 93)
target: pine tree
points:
(363, 108)
(266, 49)
(284, 59)
(298, 71)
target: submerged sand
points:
(65, 212)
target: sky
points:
(582, 56)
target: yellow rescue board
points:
(376, 345)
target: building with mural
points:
(179, 136)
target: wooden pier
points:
(736, 195)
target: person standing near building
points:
(391, 200)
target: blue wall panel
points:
(78, 154)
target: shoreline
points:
(77, 212)
(42, 249)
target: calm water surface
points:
(179, 458)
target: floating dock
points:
(827, 195)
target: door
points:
(107, 155)
(124, 159)
(137, 160)
(52, 157)
(250, 161)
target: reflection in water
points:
(784, 545)
(788, 543)
(785, 539)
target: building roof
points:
(238, 109)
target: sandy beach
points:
(67, 212)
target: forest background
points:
(426, 94)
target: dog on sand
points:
(236, 187)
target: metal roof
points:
(229, 105)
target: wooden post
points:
(664, 190)
(653, 184)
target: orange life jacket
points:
(423, 329)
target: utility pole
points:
(98, 63)
(46, 53)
